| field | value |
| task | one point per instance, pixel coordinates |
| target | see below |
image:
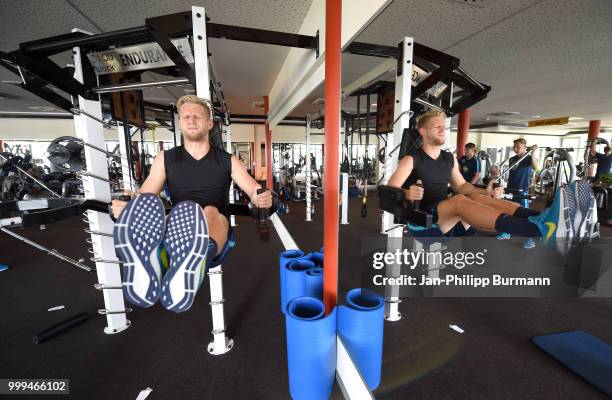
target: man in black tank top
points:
(198, 177)
(426, 174)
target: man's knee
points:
(458, 200)
(214, 217)
(211, 211)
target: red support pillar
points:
(594, 129)
(268, 146)
(462, 131)
(333, 29)
(1, 146)
(161, 145)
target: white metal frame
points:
(228, 148)
(220, 344)
(403, 88)
(309, 209)
(100, 224)
(344, 208)
(107, 265)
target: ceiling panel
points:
(541, 57)
(246, 70)
(547, 58)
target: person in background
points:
(603, 160)
(519, 178)
(469, 165)
(494, 173)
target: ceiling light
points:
(374, 104)
(574, 118)
(503, 113)
(536, 116)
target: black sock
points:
(523, 212)
(516, 226)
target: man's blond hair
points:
(424, 118)
(520, 140)
(193, 99)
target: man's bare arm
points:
(402, 172)
(249, 185)
(157, 176)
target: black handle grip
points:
(262, 215)
(417, 203)
(60, 327)
(123, 197)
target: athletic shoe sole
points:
(567, 211)
(584, 202)
(558, 232)
(137, 235)
(187, 244)
(563, 235)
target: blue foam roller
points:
(295, 279)
(314, 283)
(360, 326)
(316, 257)
(284, 258)
(311, 349)
(586, 355)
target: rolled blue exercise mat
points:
(295, 279)
(360, 326)
(284, 258)
(314, 283)
(583, 353)
(316, 257)
(311, 349)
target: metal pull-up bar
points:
(139, 85)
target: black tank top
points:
(205, 181)
(435, 175)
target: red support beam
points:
(268, 146)
(594, 129)
(333, 29)
(463, 128)
(161, 145)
